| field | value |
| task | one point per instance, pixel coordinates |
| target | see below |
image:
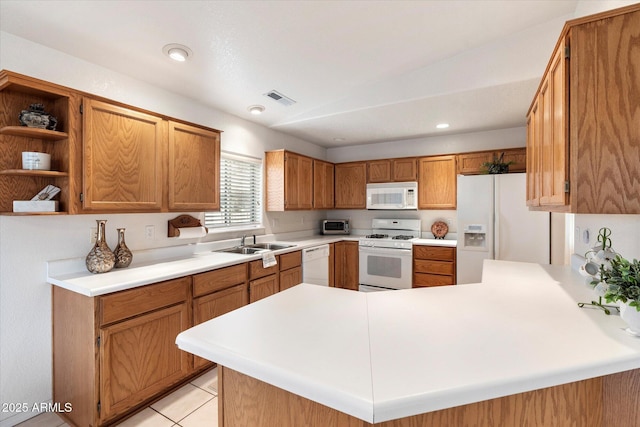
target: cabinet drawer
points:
(125, 304)
(290, 260)
(434, 252)
(212, 281)
(256, 270)
(433, 267)
(422, 279)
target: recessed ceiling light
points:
(177, 52)
(256, 110)
(339, 139)
(442, 125)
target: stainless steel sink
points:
(270, 246)
(244, 250)
(255, 248)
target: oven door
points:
(385, 268)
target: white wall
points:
(27, 243)
(625, 233)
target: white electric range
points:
(385, 256)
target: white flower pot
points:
(632, 317)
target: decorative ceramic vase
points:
(36, 117)
(100, 259)
(122, 252)
(631, 316)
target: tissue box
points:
(35, 206)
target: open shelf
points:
(29, 172)
(51, 135)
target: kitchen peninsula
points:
(513, 350)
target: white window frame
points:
(226, 218)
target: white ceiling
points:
(363, 71)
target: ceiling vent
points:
(280, 98)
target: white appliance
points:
(495, 223)
(392, 195)
(385, 257)
(315, 265)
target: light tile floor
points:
(193, 405)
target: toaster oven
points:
(335, 226)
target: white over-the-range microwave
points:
(392, 195)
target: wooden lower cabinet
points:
(263, 287)
(433, 266)
(221, 301)
(139, 359)
(290, 269)
(346, 269)
(115, 353)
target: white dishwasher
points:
(315, 265)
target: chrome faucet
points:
(244, 236)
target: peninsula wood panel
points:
(194, 168)
(123, 158)
(613, 400)
(604, 115)
(350, 185)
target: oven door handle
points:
(386, 251)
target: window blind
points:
(240, 193)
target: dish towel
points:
(268, 259)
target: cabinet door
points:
(533, 155)
(350, 183)
(437, 182)
(263, 287)
(554, 133)
(517, 158)
(298, 182)
(471, 163)
(194, 168)
(347, 273)
(322, 185)
(122, 158)
(404, 169)
(139, 358)
(379, 171)
(290, 278)
(214, 305)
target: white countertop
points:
(73, 275)
(386, 355)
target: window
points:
(240, 193)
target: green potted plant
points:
(622, 278)
(498, 165)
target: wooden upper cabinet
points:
(289, 181)
(605, 114)
(379, 170)
(122, 158)
(404, 169)
(554, 158)
(583, 128)
(194, 168)
(392, 170)
(322, 184)
(437, 182)
(472, 163)
(351, 185)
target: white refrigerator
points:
(494, 222)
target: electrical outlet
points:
(93, 234)
(150, 232)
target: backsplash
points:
(625, 233)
